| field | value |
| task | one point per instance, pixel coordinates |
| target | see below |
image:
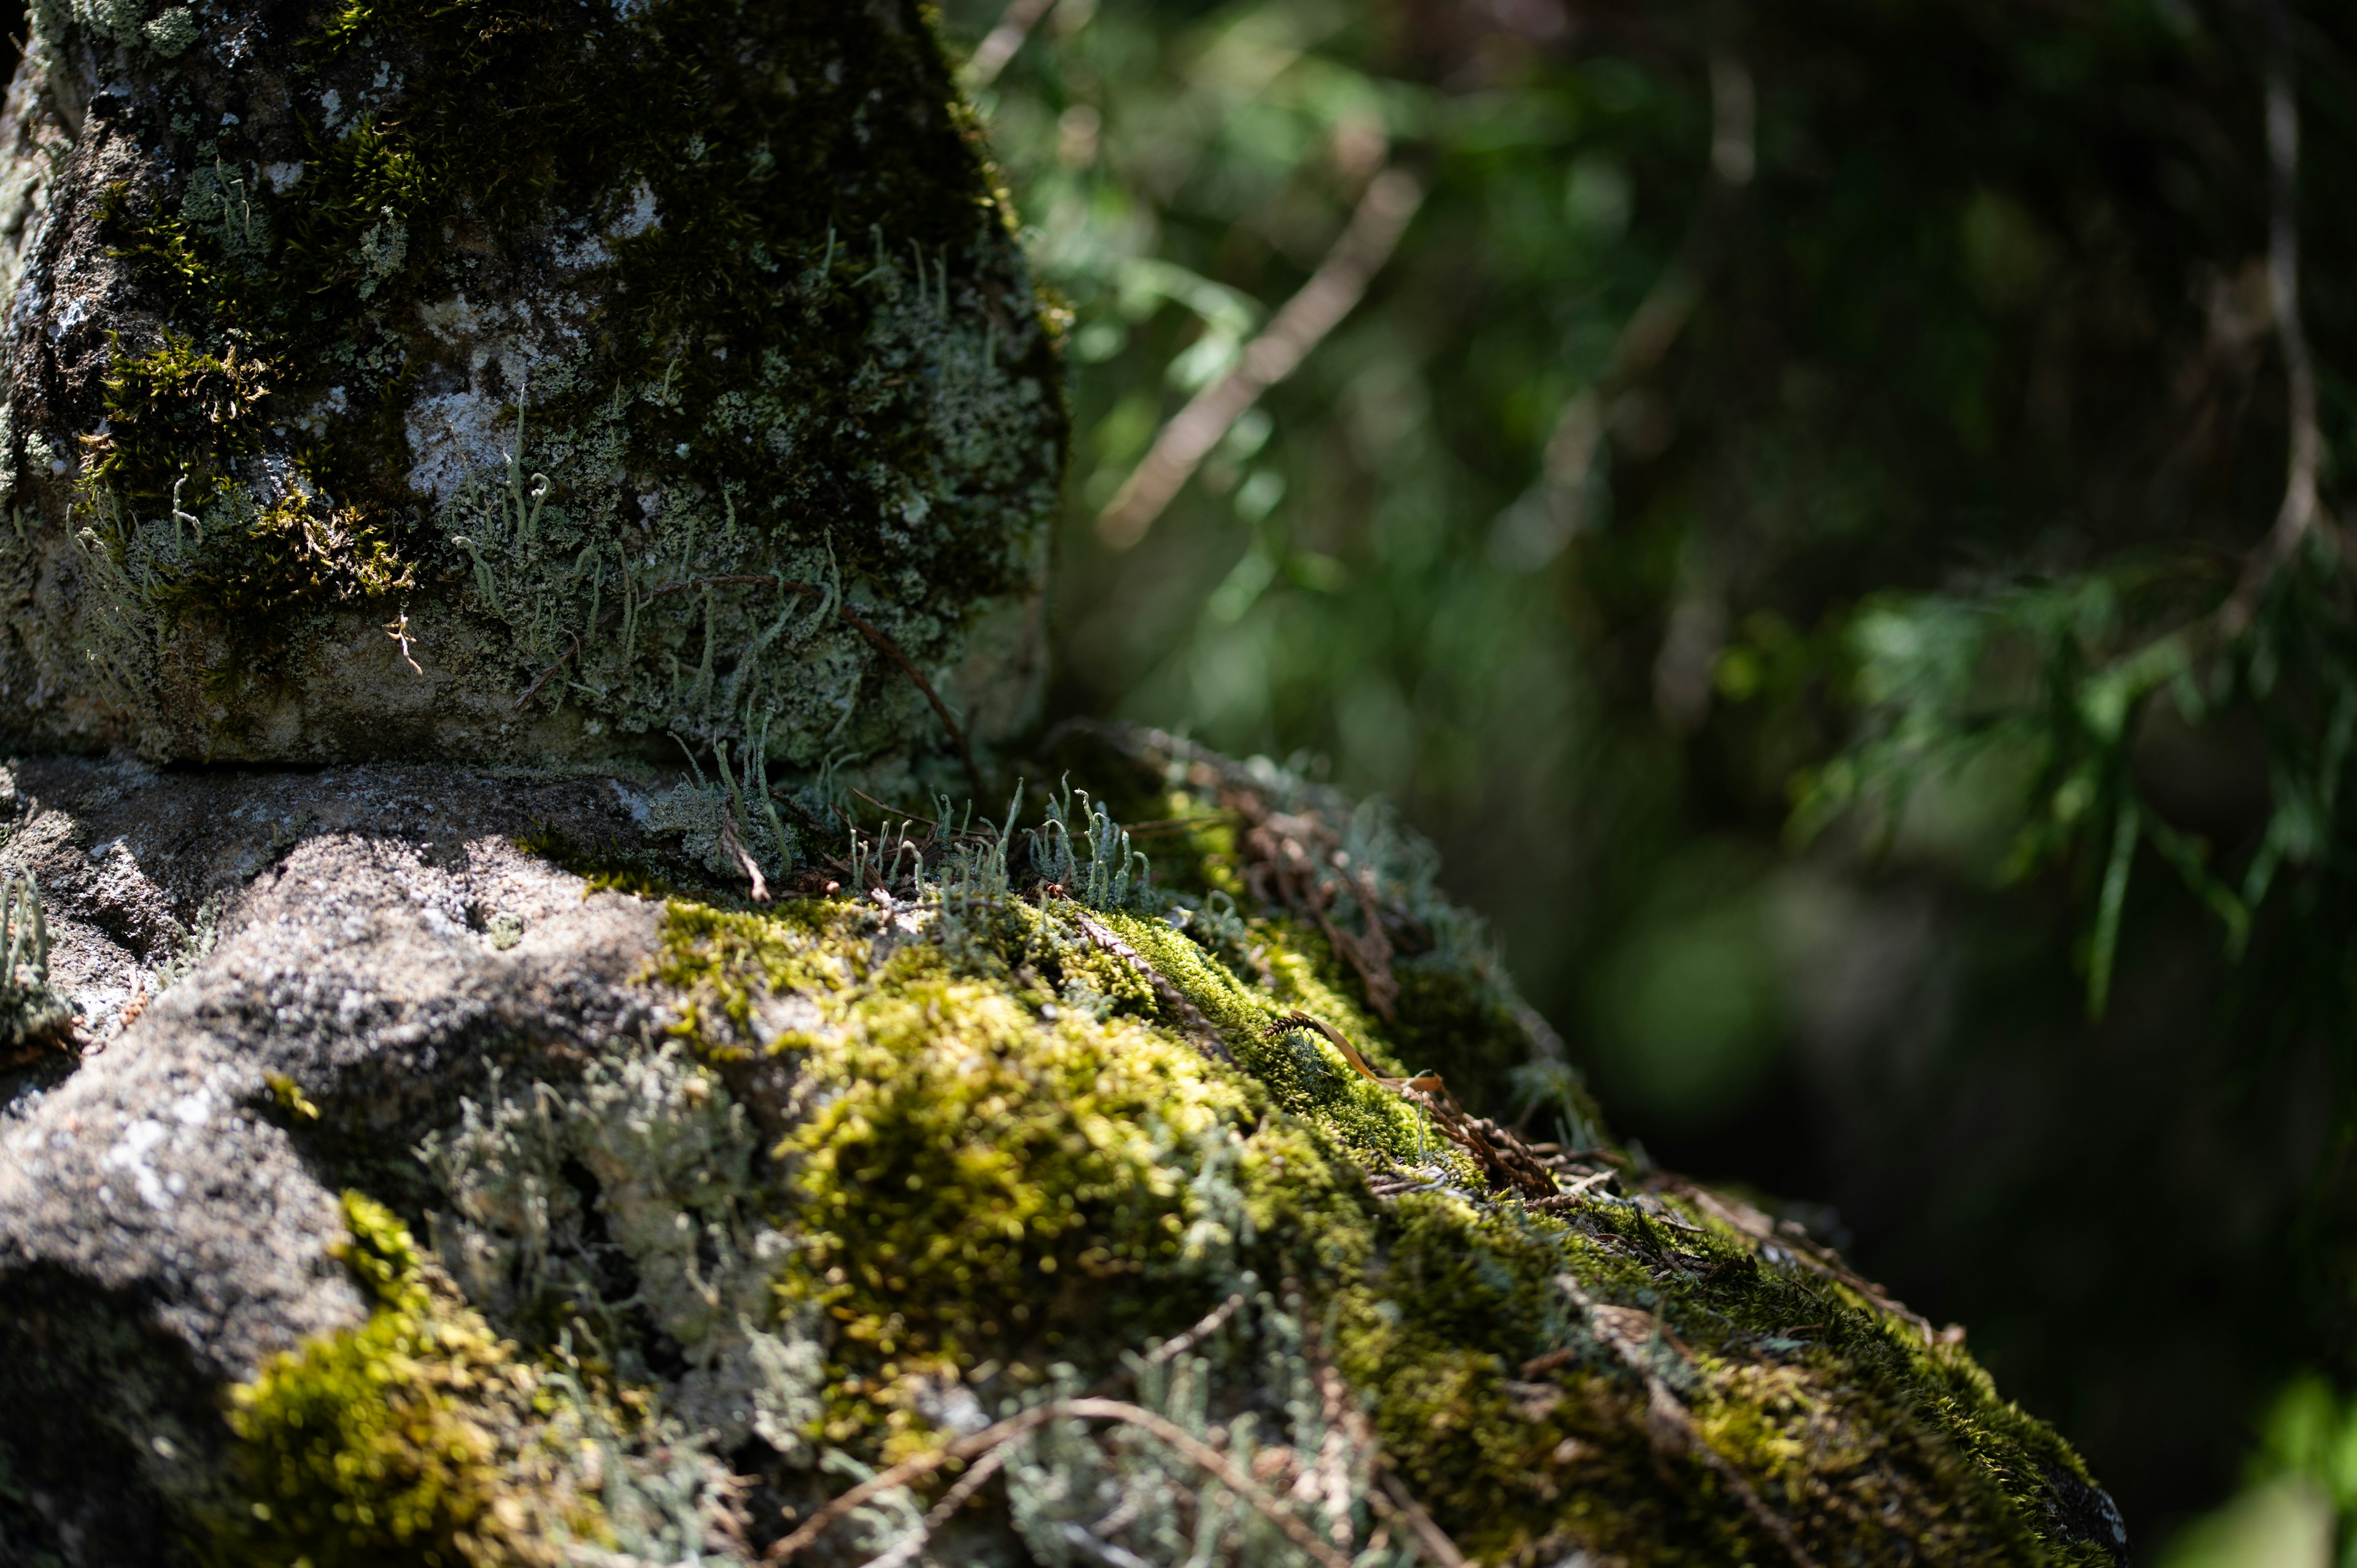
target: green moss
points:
(729, 284)
(722, 961)
(1008, 1138)
(977, 1175)
(1847, 1426)
(416, 1438)
(1011, 1141)
(176, 414)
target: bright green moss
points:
(992, 1170)
(1304, 1073)
(417, 1438)
(722, 961)
(978, 1175)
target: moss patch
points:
(968, 1148)
(1003, 1135)
(417, 1437)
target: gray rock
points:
(429, 381)
(168, 1205)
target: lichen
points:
(33, 1017)
(621, 1209)
(1103, 1178)
(657, 360)
(423, 1437)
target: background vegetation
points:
(1810, 518)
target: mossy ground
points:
(1015, 1139)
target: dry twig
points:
(998, 46)
(1654, 326)
(1200, 1032)
(732, 842)
(1366, 243)
(1505, 1160)
(1429, 1535)
(1810, 1254)
(1302, 857)
(2298, 513)
(1194, 1449)
(1629, 1332)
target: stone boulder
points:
(501, 381)
(445, 1169)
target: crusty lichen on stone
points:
(609, 353)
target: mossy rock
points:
(511, 381)
(581, 1164)
(1045, 1194)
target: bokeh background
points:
(1787, 521)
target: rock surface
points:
(372, 367)
(319, 931)
(728, 1205)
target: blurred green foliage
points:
(1783, 521)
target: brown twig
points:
(1298, 1019)
(999, 45)
(1303, 855)
(1429, 1535)
(734, 843)
(1366, 243)
(1170, 1349)
(1202, 1454)
(1817, 1259)
(891, 650)
(2298, 513)
(1200, 1032)
(892, 811)
(1506, 1162)
(961, 1492)
(1570, 1196)
(849, 616)
(1651, 328)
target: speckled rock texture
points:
(163, 1224)
(424, 1183)
(503, 381)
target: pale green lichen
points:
(968, 1148)
(642, 1169)
(32, 1016)
(711, 372)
